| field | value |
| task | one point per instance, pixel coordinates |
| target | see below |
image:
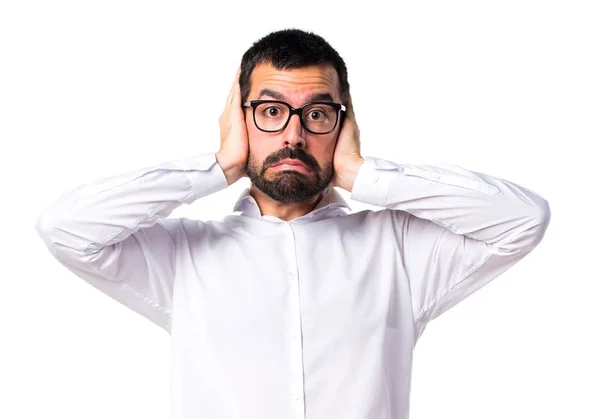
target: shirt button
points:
(291, 276)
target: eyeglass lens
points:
(318, 118)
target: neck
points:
(285, 211)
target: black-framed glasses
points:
(316, 117)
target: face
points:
(315, 151)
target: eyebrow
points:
(317, 97)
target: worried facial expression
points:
(310, 155)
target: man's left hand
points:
(346, 157)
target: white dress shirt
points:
(313, 318)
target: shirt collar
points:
(332, 199)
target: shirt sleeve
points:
(456, 229)
(113, 234)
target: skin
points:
(332, 159)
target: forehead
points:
(295, 84)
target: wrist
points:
(348, 177)
(233, 172)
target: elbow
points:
(541, 221)
(58, 236)
(43, 226)
(52, 228)
(527, 231)
(46, 227)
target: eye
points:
(316, 115)
(272, 111)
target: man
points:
(295, 308)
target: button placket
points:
(296, 358)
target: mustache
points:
(289, 153)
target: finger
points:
(237, 94)
(229, 97)
(235, 86)
(236, 79)
(350, 109)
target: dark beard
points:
(289, 185)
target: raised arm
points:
(114, 232)
(456, 229)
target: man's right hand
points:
(233, 155)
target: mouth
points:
(297, 166)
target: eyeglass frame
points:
(296, 111)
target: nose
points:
(294, 134)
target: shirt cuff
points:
(373, 181)
(204, 174)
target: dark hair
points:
(289, 49)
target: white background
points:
(511, 88)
